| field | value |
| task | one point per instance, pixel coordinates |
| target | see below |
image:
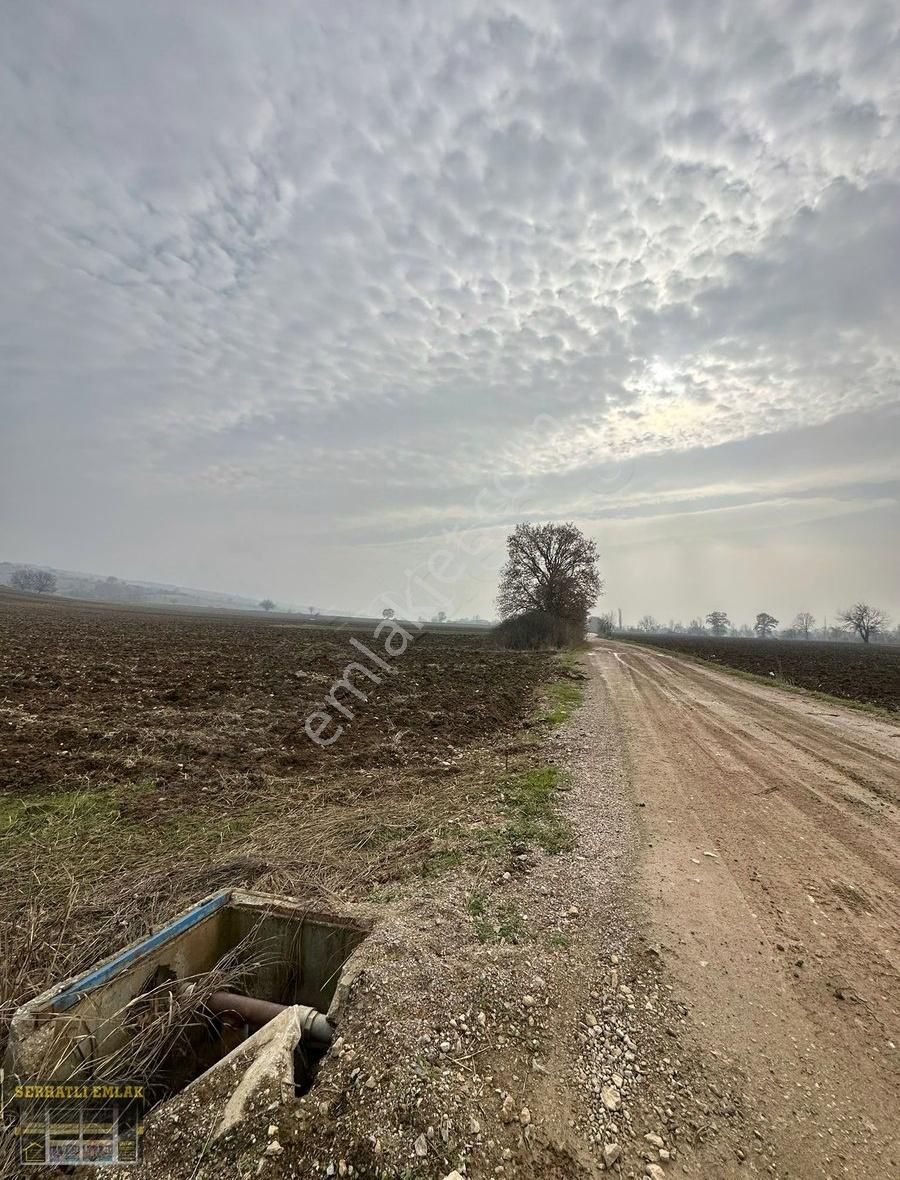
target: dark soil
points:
(103, 695)
(148, 758)
(869, 673)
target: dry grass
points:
(164, 1024)
(88, 872)
(93, 863)
(164, 1021)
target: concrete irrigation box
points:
(302, 958)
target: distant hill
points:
(103, 588)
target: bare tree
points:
(803, 623)
(648, 624)
(695, 627)
(865, 620)
(765, 624)
(718, 622)
(550, 568)
(39, 581)
(267, 604)
(45, 582)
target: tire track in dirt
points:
(872, 828)
(818, 821)
(788, 715)
(785, 943)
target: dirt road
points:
(772, 865)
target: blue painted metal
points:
(86, 983)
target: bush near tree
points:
(548, 585)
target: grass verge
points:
(529, 800)
(564, 694)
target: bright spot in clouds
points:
(287, 286)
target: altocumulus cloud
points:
(286, 284)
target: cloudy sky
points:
(295, 292)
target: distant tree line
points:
(860, 621)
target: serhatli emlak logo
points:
(68, 1123)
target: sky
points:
(317, 300)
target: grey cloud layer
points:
(304, 253)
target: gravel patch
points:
(537, 1036)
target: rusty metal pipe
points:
(250, 1010)
(255, 1012)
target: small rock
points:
(274, 1148)
(524, 1116)
(655, 1140)
(590, 1020)
(610, 1097)
(611, 1152)
(421, 1146)
(528, 1001)
(655, 1172)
